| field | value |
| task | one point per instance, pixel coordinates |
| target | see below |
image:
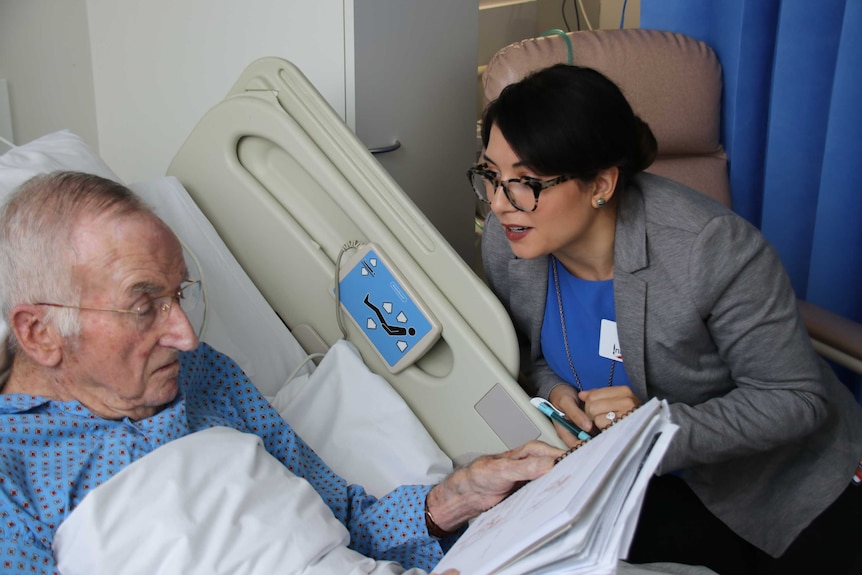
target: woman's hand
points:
(589, 409)
(565, 398)
(604, 405)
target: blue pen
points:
(555, 414)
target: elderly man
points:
(107, 368)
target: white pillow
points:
(61, 150)
(360, 426)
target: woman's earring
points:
(601, 202)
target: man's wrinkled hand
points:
(468, 491)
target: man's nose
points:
(180, 334)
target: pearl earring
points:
(601, 202)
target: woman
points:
(624, 286)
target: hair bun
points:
(646, 146)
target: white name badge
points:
(609, 342)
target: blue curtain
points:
(792, 129)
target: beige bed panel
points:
(288, 185)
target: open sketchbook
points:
(580, 516)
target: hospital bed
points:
(287, 185)
(273, 197)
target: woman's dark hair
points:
(571, 120)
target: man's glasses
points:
(522, 193)
(154, 311)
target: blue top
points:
(585, 304)
(53, 453)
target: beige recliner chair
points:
(674, 83)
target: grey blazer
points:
(707, 320)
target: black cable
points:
(563, 12)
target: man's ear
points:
(36, 337)
(605, 185)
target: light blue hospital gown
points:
(53, 453)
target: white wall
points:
(159, 65)
(132, 77)
(45, 58)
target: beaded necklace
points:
(565, 336)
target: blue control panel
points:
(382, 304)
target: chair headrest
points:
(672, 81)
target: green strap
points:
(565, 37)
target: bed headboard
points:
(288, 185)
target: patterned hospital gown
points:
(52, 453)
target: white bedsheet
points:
(212, 502)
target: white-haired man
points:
(107, 368)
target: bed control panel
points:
(386, 309)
